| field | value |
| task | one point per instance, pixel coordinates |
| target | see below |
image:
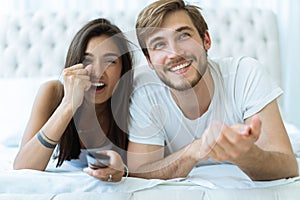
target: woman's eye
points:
(111, 62)
(87, 61)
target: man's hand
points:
(223, 143)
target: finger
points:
(242, 129)
(255, 127)
(207, 143)
(81, 72)
(75, 73)
(236, 134)
(75, 67)
(105, 174)
(92, 173)
(224, 148)
(89, 68)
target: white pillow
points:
(294, 135)
(17, 96)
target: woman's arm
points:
(32, 153)
(62, 101)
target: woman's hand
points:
(113, 173)
(76, 82)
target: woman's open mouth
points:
(98, 86)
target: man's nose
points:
(174, 50)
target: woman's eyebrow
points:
(111, 54)
(88, 54)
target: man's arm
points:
(147, 161)
(261, 149)
(272, 153)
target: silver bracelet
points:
(126, 170)
(44, 142)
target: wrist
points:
(126, 171)
(193, 150)
(68, 106)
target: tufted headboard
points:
(250, 32)
(35, 44)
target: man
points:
(206, 111)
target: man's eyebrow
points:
(184, 28)
(154, 40)
(177, 30)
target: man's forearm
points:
(178, 164)
(268, 165)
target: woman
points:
(81, 113)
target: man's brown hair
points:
(152, 16)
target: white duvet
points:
(65, 180)
(209, 181)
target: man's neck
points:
(195, 101)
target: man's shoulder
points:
(230, 65)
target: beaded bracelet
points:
(44, 142)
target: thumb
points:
(89, 68)
(255, 127)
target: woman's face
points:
(103, 60)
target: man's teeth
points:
(179, 67)
(97, 84)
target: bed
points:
(33, 46)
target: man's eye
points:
(184, 35)
(159, 45)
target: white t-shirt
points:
(241, 90)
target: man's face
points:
(177, 52)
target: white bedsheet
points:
(206, 182)
(56, 181)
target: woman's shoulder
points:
(51, 91)
(52, 87)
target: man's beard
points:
(185, 85)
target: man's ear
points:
(207, 41)
(149, 62)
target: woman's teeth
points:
(97, 84)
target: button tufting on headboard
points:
(250, 32)
(35, 44)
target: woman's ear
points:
(207, 41)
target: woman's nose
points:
(96, 70)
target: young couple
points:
(189, 110)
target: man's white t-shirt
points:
(242, 89)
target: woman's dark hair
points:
(69, 146)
